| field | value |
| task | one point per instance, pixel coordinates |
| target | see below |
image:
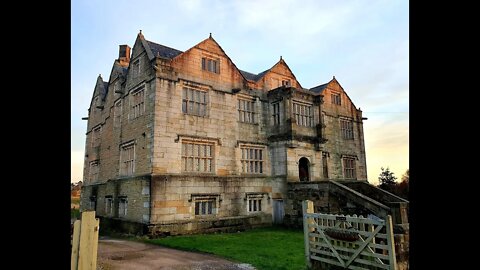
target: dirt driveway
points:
(117, 254)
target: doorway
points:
(303, 169)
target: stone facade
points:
(187, 142)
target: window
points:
(122, 206)
(285, 82)
(346, 126)
(194, 102)
(254, 203)
(108, 205)
(197, 157)
(349, 167)
(336, 99)
(136, 68)
(93, 171)
(96, 136)
(252, 159)
(138, 103)
(325, 164)
(127, 159)
(246, 111)
(276, 113)
(205, 206)
(211, 65)
(117, 114)
(303, 114)
(92, 202)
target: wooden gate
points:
(350, 242)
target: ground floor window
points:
(254, 202)
(108, 205)
(122, 206)
(205, 204)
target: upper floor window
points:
(117, 113)
(276, 113)
(136, 68)
(197, 157)
(325, 164)
(138, 103)
(303, 114)
(349, 168)
(211, 65)
(93, 171)
(127, 158)
(246, 111)
(96, 132)
(286, 83)
(336, 98)
(252, 159)
(346, 126)
(194, 102)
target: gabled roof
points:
(253, 77)
(162, 51)
(320, 88)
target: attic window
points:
(136, 68)
(336, 99)
(212, 65)
(286, 83)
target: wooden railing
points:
(350, 242)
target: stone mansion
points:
(185, 141)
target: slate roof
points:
(319, 89)
(253, 77)
(163, 51)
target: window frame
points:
(137, 103)
(247, 111)
(346, 129)
(350, 171)
(97, 172)
(136, 68)
(336, 98)
(124, 147)
(211, 64)
(299, 111)
(122, 200)
(96, 136)
(108, 205)
(208, 157)
(254, 203)
(255, 165)
(191, 99)
(209, 203)
(276, 113)
(117, 113)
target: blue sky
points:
(364, 44)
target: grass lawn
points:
(265, 248)
(74, 213)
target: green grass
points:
(75, 200)
(266, 248)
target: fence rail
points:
(351, 242)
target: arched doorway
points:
(303, 169)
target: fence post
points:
(85, 242)
(391, 243)
(307, 208)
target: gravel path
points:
(119, 254)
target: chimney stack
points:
(124, 55)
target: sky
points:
(364, 44)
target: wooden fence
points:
(350, 242)
(85, 242)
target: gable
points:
(273, 77)
(189, 66)
(334, 87)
